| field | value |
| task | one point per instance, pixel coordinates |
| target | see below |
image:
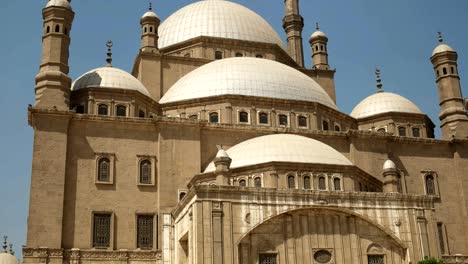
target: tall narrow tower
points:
(318, 42)
(293, 23)
(149, 30)
(52, 82)
(453, 115)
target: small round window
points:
(322, 256)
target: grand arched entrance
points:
(319, 236)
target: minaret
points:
(453, 115)
(293, 23)
(52, 82)
(318, 42)
(149, 30)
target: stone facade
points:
(397, 199)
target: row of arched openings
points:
(263, 118)
(104, 171)
(307, 184)
(57, 29)
(120, 110)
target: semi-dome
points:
(282, 148)
(60, 3)
(250, 77)
(110, 78)
(442, 48)
(6, 258)
(384, 102)
(216, 18)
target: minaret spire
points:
(5, 244)
(293, 23)
(317, 26)
(441, 39)
(109, 45)
(379, 80)
(150, 8)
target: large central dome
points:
(249, 77)
(216, 18)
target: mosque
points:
(222, 147)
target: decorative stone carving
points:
(322, 256)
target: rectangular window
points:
(440, 231)
(145, 231)
(267, 258)
(102, 230)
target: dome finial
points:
(109, 45)
(379, 80)
(11, 249)
(150, 6)
(441, 39)
(317, 26)
(5, 244)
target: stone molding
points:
(455, 259)
(75, 255)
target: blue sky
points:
(398, 36)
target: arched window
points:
(182, 195)
(187, 55)
(381, 130)
(291, 182)
(151, 29)
(316, 48)
(145, 30)
(325, 125)
(402, 131)
(218, 55)
(283, 120)
(263, 118)
(65, 31)
(260, 56)
(321, 47)
(302, 121)
(57, 28)
(430, 186)
(104, 170)
(243, 117)
(258, 182)
(103, 109)
(238, 54)
(141, 114)
(121, 110)
(214, 117)
(242, 183)
(416, 132)
(145, 172)
(48, 29)
(438, 74)
(337, 128)
(337, 184)
(307, 183)
(444, 70)
(194, 117)
(321, 184)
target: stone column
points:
(167, 238)
(217, 225)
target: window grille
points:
(402, 131)
(214, 118)
(218, 55)
(145, 231)
(325, 125)
(145, 172)
(242, 183)
(307, 182)
(258, 182)
(263, 118)
(337, 128)
(416, 132)
(141, 114)
(430, 187)
(267, 258)
(121, 110)
(103, 109)
(302, 120)
(291, 182)
(337, 183)
(375, 259)
(102, 230)
(243, 117)
(283, 120)
(322, 185)
(440, 231)
(104, 170)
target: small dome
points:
(60, 3)
(317, 33)
(389, 164)
(384, 102)
(150, 14)
(282, 148)
(442, 48)
(216, 18)
(222, 154)
(250, 77)
(109, 77)
(6, 258)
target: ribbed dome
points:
(250, 77)
(282, 148)
(60, 3)
(317, 33)
(384, 102)
(216, 18)
(442, 48)
(6, 258)
(150, 14)
(109, 77)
